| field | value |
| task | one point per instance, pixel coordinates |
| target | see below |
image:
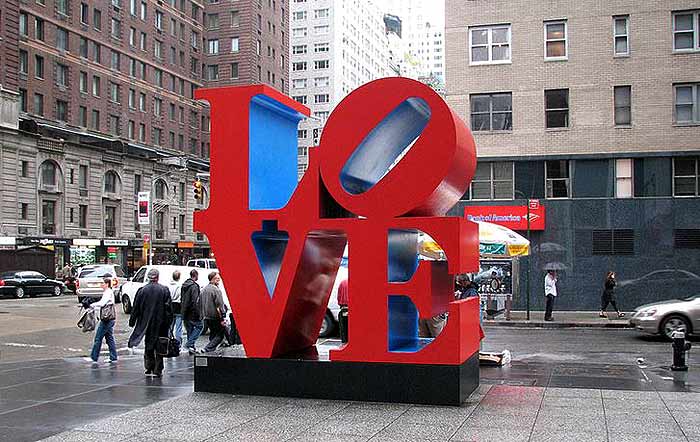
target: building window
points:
(95, 120)
(24, 211)
(234, 70)
(321, 47)
(621, 35)
(22, 100)
(302, 134)
(84, 13)
(322, 81)
(39, 28)
(114, 92)
(182, 224)
(557, 180)
(321, 64)
(82, 177)
(61, 39)
(685, 177)
(157, 136)
(24, 169)
(299, 83)
(48, 217)
(298, 49)
(213, 72)
(61, 75)
(492, 181)
(110, 221)
(321, 98)
(299, 15)
(23, 61)
(39, 104)
(157, 107)
(116, 28)
(321, 13)
(299, 32)
(235, 19)
(96, 86)
(300, 99)
(623, 178)
(556, 106)
(83, 82)
(62, 6)
(83, 47)
(39, 67)
(321, 30)
(114, 125)
(131, 100)
(49, 174)
(298, 66)
(111, 182)
(555, 40)
(82, 116)
(685, 31)
(235, 44)
(623, 105)
(142, 102)
(211, 21)
(23, 24)
(491, 112)
(687, 99)
(489, 44)
(159, 20)
(142, 132)
(97, 19)
(213, 47)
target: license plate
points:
(93, 284)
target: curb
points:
(554, 324)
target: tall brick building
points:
(593, 108)
(106, 109)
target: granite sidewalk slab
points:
(503, 413)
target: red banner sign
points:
(513, 217)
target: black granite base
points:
(323, 379)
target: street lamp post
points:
(529, 255)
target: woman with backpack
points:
(105, 329)
(608, 296)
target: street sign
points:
(534, 204)
(144, 207)
(146, 238)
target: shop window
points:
(492, 181)
(685, 176)
(557, 181)
(652, 177)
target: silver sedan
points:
(663, 318)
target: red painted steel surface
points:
(413, 195)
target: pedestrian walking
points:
(105, 328)
(214, 311)
(343, 302)
(151, 316)
(191, 310)
(175, 290)
(550, 293)
(608, 296)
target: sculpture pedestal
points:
(315, 376)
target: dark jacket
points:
(151, 315)
(609, 291)
(190, 301)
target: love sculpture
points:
(392, 160)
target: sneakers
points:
(112, 361)
(89, 359)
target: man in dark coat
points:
(192, 310)
(151, 316)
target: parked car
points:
(90, 277)
(663, 318)
(129, 288)
(28, 283)
(203, 263)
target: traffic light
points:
(197, 190)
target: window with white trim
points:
(555, 40)
(321, 98)
(298, 66)
(321, 47)
(687, 103)
(621, 35)
(491, 112)
(321, 64)
(558, 183)
(623, 178)
(322, 81)
(235, 44)
(298, 49)
(556, 107)
(299, 83)
(686, 31)
(489, 44)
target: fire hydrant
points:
(680, 347)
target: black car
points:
(21, 284)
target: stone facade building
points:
(105, 92)
(593, 109)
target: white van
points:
(202, 263)
(129, 288)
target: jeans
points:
(549, 307)
(105, 330)
(152, 361)
(194, 329)
(177, 327)
(217, 333)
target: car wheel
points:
(327, 326)
(19, 293)
(117, 296)
(674, 323)
(57, 291)
(126, 304)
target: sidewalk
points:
(562, 319)
(503, 413)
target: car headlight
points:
(647, 313)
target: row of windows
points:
(600, 178)
(492, 44)
(494, 111)
(318, 30)
(318, 48)
(318, 13)
(300, 66)
(301, 83)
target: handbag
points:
(107, 313)
(168, 347)
(87, 321)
